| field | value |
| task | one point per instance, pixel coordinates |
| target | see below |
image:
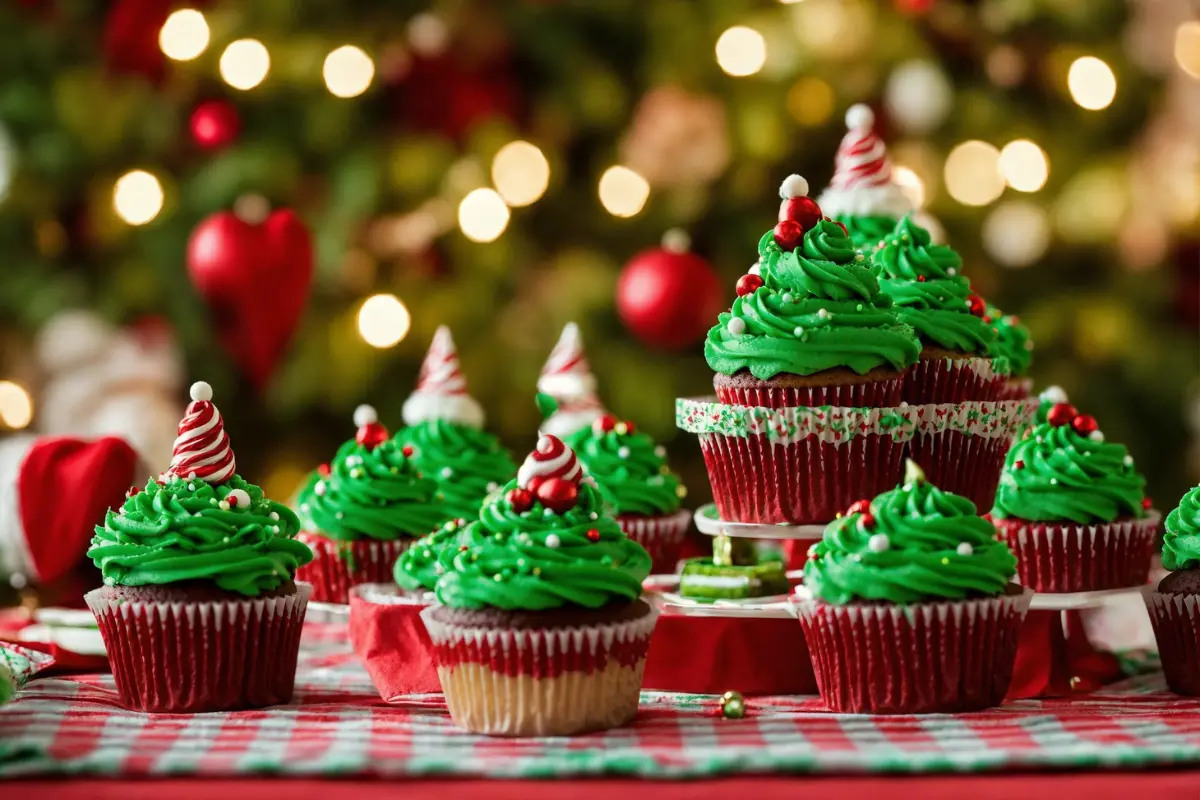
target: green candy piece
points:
(702, 579)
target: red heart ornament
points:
(255, 280)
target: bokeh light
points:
(184, 35)
(810, 101)
(137, 197)
(1016, 233)
(623, 192)
(245, 64)
(1091, 205)
(1187, 47)
(348, 71)
(741, 51)
(483, 215)
(911, 183)
(1024, 165)
(1092, 83)
(520, 173)
(383, 321)
(972, 173)
(16, 406)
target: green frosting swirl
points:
(819, 308)
(1013, 350)
(629, 469)
(1181, 534)
(370, 494)
(937, 548)
(179, 531)
(925, 282)
(867, 232)
(420, 566)
(540, 559)
(1056, 475)
(466, 462)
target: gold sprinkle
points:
(537, 571)
(681, 491)
(621, 428)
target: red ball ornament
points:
(606, 423)
(1085, 424)
(407, 450)
(323, 470)
(748, 284)
(1147, 504)
(669, 299)
(803, 210)
(372, 435)
(859, 507)
(214, 124)
(558, 495)
(866, 520)
(255, 279)
(1061, 414)
(977, 305)
(1018, 464)
(534, 483)
(789, 234)
(520, 500)
(593, 535)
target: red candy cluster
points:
(862, 507)
(798, 213)
(557, 494)
(1066, 414)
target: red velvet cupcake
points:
(1174, 605)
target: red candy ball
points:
(803, 210)
(372, 435)
(748, 284)
(520, 500)
(533, 483)
(866, 520)
(407, 450)
(593, 535)
(1147, 503)
(557, 494)
(214, 124)
(323, 470)
(1085, 424)
(789, 234)
(978, 305)
(1061, 414)
(606, 423)
(859, 507)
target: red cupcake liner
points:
(662, 536)
(951, 380)
(1176, 622)
(388, 635)
(541, 682)
(181, 657)
(962, 463)
(1016, 389)
(1057, 557)
(884, 393)
(338, 565)
(805, 482)
(937, 657)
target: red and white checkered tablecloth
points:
(338, 726)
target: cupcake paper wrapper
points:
(1068, 557)
(936, 657)
(952, 380)
(549, 682)
(662, 536)
(184, 657)
(338, 565)
(1016, 389)
(388, 635)
(873, 394)
(961, 463)
(1176, 622)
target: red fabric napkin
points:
(394, 647)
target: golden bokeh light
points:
(1024, 165)
(1092, 83)
(383, 321)
(520, 173)
(184, 36)
(16, 406)
(623, 192)
(137, 197)
(972, 173)
(245, 64)
(483, 215)
(741, 51)
(348, 71)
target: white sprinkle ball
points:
(447, 472)
(223, 505)
(1054, 481)
(793, 186)
(275, 528)
(623, 452)
(787, 297)
(1129, 461)
(1096, 436)
(878, 542)
(797, 331)
(965, 549)
(492, 486)
(951, 271)
(859, 116)
(736, 326)
(755, 268)
(274, 515)
(339, 515)
(319, 488)
(660, 451)
(552, 541)
(1053, 394)
(201, 392)
(191, 487)
(191, 476)
(823, 313)
(365, 415)
(225, 539)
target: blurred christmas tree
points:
(492, 166)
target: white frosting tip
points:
(676, 240)
(201, 391)
(793, 186)
(545, 444)
(365, 415)
(859, 116)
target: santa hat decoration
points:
(371, 432)
(42, 536)
(202, 448)
(567, 377)
(862, 182)
(441, 391)
(551, 473)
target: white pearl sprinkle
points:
(225, 539)
(798, 331)
(951, 271)
(304, 507)
(823, 313)
(492, 486)
(593, 515)
(191, 476)
(110, 582)
(878, 542)
(623, 452)
(552, 541)
(736, 326)
(339, 515)
(223, 505)
(1054, 481)
(1096, 436)
(447, 472)
(275, 529)
(191, 487)
(1129, 461)
(965, 549)
(274, 515)
(660, 451)
(548, 512)
(787, 297)
(356, 473)
(319, 488)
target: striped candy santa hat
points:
(54, 490)
(567, 377)
(201, 448)
(862, 182)
(441, 391)
(550, 459)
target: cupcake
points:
(929, 292)
(199, 610)
(360, 511)
(1073, 508)
(1174, 606)
(809, 329)
(863, 195)
(540, 628)
(632, 475)
(911, 608)
(1012, 354)
(567, 380)
(445, 432)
